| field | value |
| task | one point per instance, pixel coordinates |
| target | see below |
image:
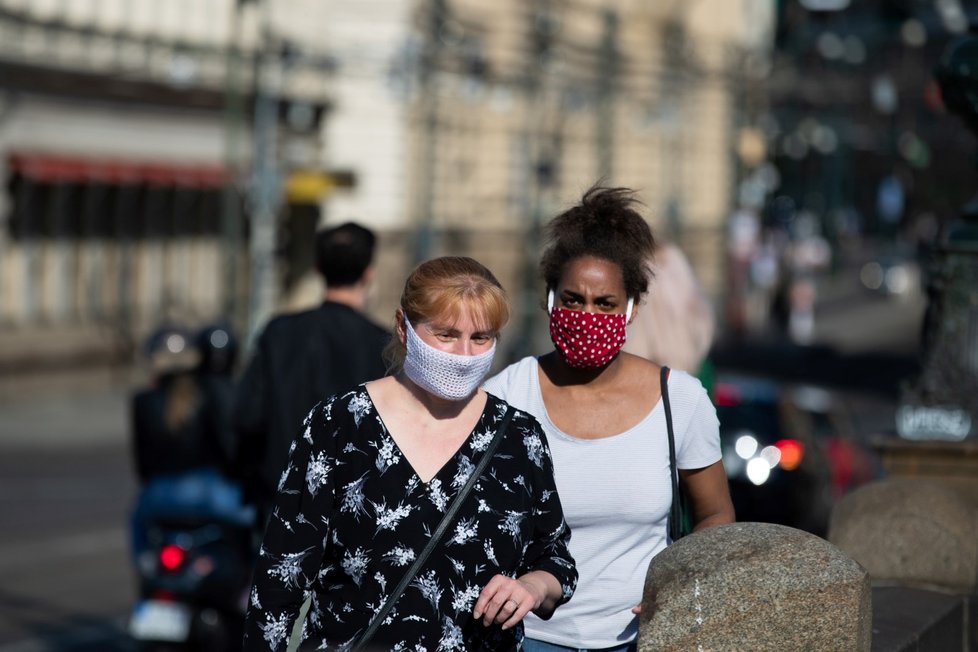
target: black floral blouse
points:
(351, 514)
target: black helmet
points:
(171, 349)
(218, 349)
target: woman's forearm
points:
(717, 518)
(709, 496)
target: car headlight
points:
(746, 446)
(758, 471)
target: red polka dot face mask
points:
(587, 339)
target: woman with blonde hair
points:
(417, 511)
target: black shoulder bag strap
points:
(675, 512)
(439, 532)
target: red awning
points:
(55, 168)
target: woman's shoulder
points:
(512, 378)
(347, 396)
(645, 370)
(690, 402)
(684, 383)
(524, 431)
(336, 420)
(350, 401)
(685, 389)
(500, 406)
(641, 372)
(519, 368)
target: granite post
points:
(910, 532)
(755, 586)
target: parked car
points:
(787, 455)
(843, 442)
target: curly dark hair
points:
(605, 225)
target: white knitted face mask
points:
(447, 375)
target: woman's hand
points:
(709, 499)
(506, 601)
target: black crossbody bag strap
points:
(675, 512)
(435, 539)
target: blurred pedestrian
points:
(218, 349)
(675, 324)
(605, 422)
(302, 358)
(374, 477)
(179, 427)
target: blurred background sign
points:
(313, 186)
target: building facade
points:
(171, 160)
(500, 114)
(126, 133)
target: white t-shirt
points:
(616, 495)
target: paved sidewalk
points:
(75, 409)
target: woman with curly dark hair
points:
(605, 421)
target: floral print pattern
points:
(352, 515)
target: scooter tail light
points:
(172, 556)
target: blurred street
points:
(66, 482)
(65, 489)
(862, 342)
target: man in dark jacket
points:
(305, 357)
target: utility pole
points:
(431, 54)
(542, 30)
(607, 86)
(266, 182)
(672, 96)
(234, 123)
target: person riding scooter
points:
(179, 443)
(191, 532)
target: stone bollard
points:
(755, 586)
(954, 464)
(910, 532)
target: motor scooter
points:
(193, 580)
(192, 533)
